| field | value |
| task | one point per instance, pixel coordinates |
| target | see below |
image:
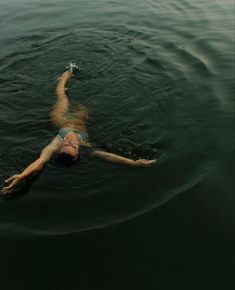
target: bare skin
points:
(71, 142)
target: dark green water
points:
(159, 74)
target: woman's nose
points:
(74, 144)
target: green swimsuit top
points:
(64, 131)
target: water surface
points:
(158, 78)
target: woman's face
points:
(70, 146)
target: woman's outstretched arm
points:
(123, 160)
(33, 168)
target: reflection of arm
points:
(123, 160)
(34, 167)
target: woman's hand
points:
(14, 181)
(144, 162)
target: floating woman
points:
(71, 142)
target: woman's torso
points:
(83, 135)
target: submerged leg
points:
(81, 115)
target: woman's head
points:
(70, 147)
(69, 151)
(66, 159)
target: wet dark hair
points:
(66, 159)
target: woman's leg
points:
(62, 104)
(81, 113)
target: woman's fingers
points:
(9, 187)
(10, 179)
(6, 189)
(150, 162)
(14, 182)
(145, 162)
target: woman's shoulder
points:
(84, 136)
(86, 144)
(86, 149)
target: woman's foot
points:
(72, 66)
